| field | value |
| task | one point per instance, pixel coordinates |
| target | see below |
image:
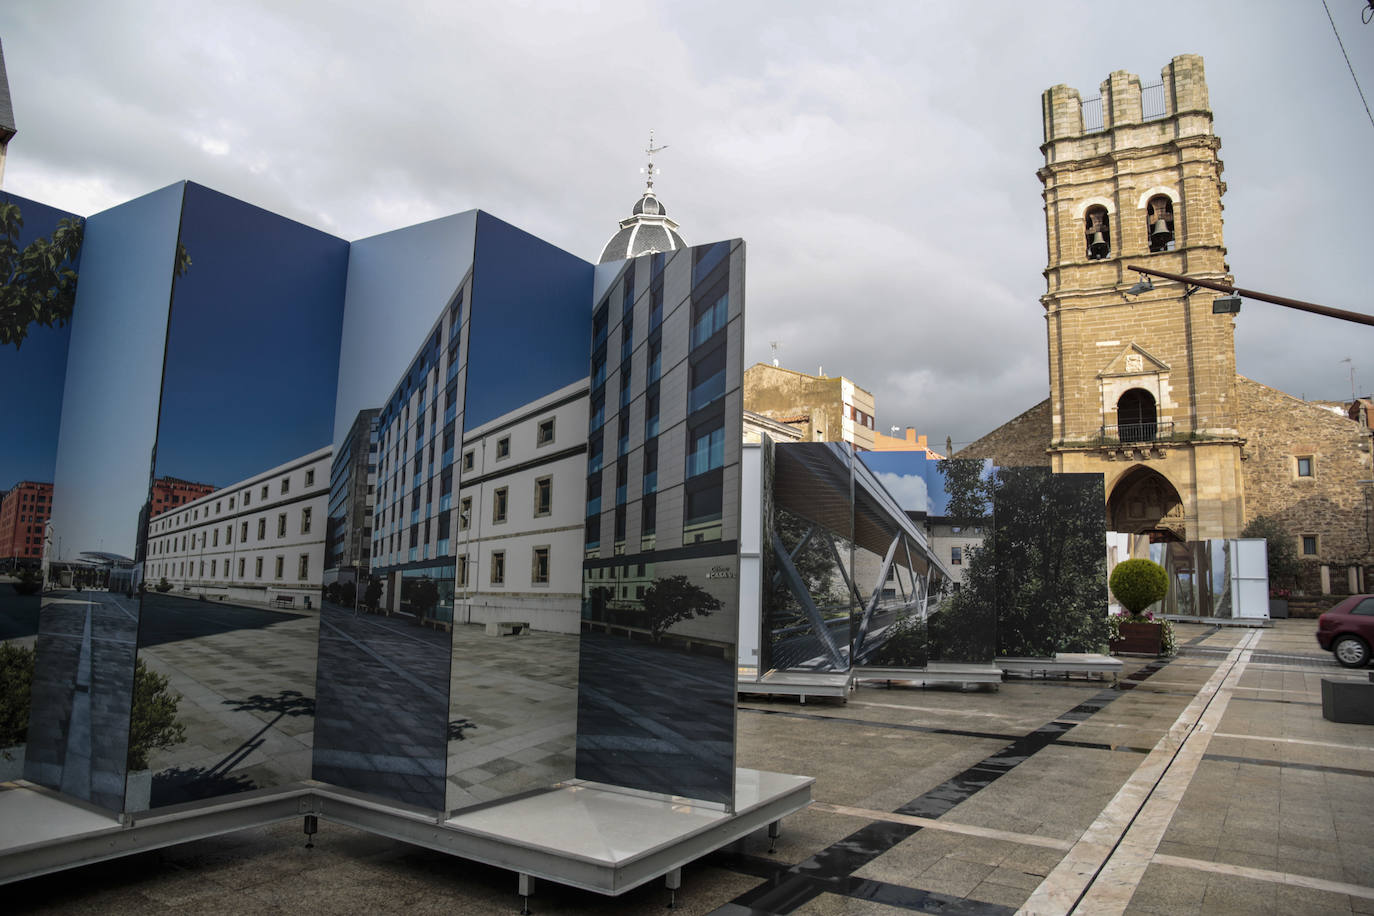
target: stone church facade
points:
(1143, 383)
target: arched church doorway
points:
(1136, 418)
(1145, 502)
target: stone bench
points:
(1350, 702)
(506, 627)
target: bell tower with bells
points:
(1142, 377)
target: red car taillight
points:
(1325, 622)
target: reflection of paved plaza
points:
(246, 676)
(514, 713)
(650, 717)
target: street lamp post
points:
(1220, 286)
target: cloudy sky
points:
(881, 165)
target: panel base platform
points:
(1063, 664)
(964, 676)
(599, 838)
(801, 684)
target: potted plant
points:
(153, 725)
(16, 676)
(1137, 584)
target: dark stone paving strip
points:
(900, 726)
(1236, 699)
(1210, 631)
(831, 870)
(1315, 767)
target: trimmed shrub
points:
(1138, 584)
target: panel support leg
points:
(774, 831)
(673, 880)
(525, 890)
(312, 826)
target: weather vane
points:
(649, 171)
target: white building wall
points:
(254, 542)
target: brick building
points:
(1143, 384)
(824, 408)
(24, 513)
(165, 495)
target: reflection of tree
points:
(673, 599)
(373, 593)
(423, 595)
(39, 280)
(815, 565)
(1284, 565)
(456, 728)
(153, 723)
(16, 679)
(1037, 585)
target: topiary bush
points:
(1138, 584)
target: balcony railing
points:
(1126, 433)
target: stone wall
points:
(1331, 503)
(1020, 442)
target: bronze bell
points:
(1161, 235)
(1098, 247)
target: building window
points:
(543, 496)
(304, 572)
(310, 477)
(539, 571)
(499, 501)
(1159, 217)
(285, 485)
(1098, 233)
(305, 520)
(467, 460)
(247, 498)
(281, 525)
(1305, 466)
(956, 556)
(498, 567)
(462, 572)
(262, 528)
(257, 568)
(1136, 417)
(503, 448)
(213, 565)
(544, 434)
(215, 540)
(242, 562)
(281, 566)
(706, 449)
(464, 513)
(1309, 545)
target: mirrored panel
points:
(84, 673)
(33, 368)
(382, 691)
(515, 520)
(660, 579)
(962, 627)
(236, 515)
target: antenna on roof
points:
(774, 345)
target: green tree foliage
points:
(1284, 565)
(153, 724)
(40, 280)
(30, 581)
(1037, 585)
(163, 585)
(424, 597)
(672, 599)
(16, 678)
(1138, 584)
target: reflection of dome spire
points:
(648, 228)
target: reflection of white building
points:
(259, 541)
(951, 542)
(520, 514)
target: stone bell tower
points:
(1142, 386)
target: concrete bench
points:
(506, 627)
(283, 601)
(1349, 702)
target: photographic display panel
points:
(382, 690)
(235, 518)
(656, 672)
(33, 367)
(516, 519)
(83, 680)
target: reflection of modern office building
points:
(24, 512)
(352, 491)
(258, 541)
(519, 522)
(825, 408)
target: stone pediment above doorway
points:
(1134, 360)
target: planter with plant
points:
(1137, 584)
(16, 676)
(153, 725)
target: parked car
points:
(1347, 630)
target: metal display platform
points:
(599, 838)
(801, 684)
(1063, 663)
(964, 676)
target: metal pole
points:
(1344, 315)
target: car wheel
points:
(1350, 651)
